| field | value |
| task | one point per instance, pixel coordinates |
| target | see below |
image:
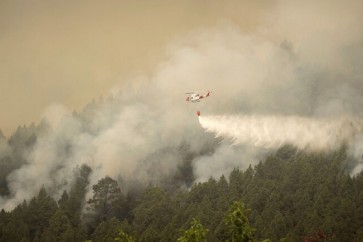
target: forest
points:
(291, 195)
(117, 152)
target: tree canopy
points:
(291, 194)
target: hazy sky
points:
(70, 52)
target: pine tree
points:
(59, 228)
(196, 233)
(239, 226)
(107, 230)
(72, 202)
(107, 199)
(40, 210)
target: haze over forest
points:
(100, 87)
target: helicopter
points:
(196, 97)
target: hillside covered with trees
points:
(291, 194)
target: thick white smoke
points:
(302, 61)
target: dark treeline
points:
(291, 194)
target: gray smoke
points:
(304, 60)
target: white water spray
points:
(274, 131)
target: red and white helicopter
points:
(196, 97)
